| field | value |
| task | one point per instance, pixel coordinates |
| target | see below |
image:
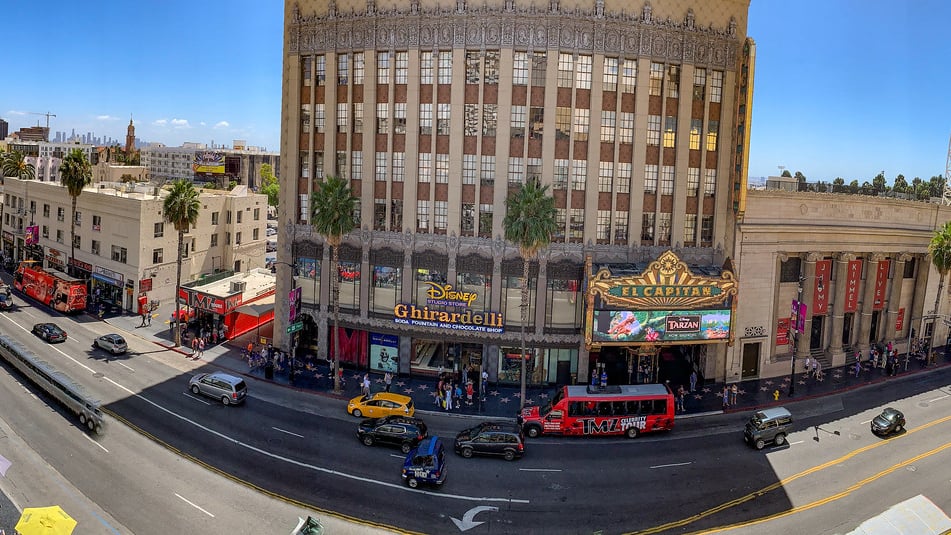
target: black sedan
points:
(50, 332)
(889, 421)
(402, 431)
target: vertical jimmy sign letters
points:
(820, 298)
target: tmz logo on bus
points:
(591, 426)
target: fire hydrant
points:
(775, 395)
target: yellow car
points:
(381, 404)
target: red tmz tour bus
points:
(50, 287)
(614, 410)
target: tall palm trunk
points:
(524, 307)
(178, 287)
(335, 290)
(937, 303)
(72, 239)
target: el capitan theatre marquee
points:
(451, 311)
(665, 304)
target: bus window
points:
(633, 408)
(620, 408)
(575, 408)
(660, 406)
(604, 408)
(591, 408)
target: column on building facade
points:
(918, 305)
(366, 273)
(541, 295)
(868, 301)
(838, 307)
(808, 285)
(780, 310)
(324, 310)
(887, 331)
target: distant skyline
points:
(843, 88)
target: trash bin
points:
(269, 371)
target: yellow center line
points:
(756, 494)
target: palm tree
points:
(332, 217)
(76, 174)
(940, 251)
(180, 209)
(529, 224)
(16, 166)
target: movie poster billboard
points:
(661, 325)
(384, 352)
(209, 162)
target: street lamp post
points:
(800, 312)
(294, 311)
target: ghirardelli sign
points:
(683, 324)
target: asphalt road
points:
(303, 449)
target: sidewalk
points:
(502, 401)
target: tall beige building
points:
(635, 114)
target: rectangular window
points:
(623, 175)
(358, 68)
(441, 213)
(306, 69)
(78, 242)
(667, 180)
(157, 256)
(379, 214)
(399, 118)
(119, 254)
(470, 126)
(610, 74)
(442, 169)
(305, 118)
(670, 131)
(491, 67)
(320, 67)
(663, 228)
(579, 174)
(485, 220)
(575, 224)
(425, 118)
(399, 166)
(716, 86)
(214, 218)
(46, 231)
(96, 247)
(425, 167)
(442, 119)
(693, 181)
(562, 123)
(539, 68)
(473, 67)
(382, 67)
(536, 119)
(214, 240)
(650, 178)
(706, 230)
(319, 164)
(488, 170)
(626, 131)
(519, 115)
(341, 168)
(60, 214)
(490, 119)
(566, 70)
(426, 68)
(620, 227)
(445, 67)
(382, 118)
(516, 171)
(358, 117)
(343, 68)
(583, 76)
(605, 177)
(608, 120)
(695, 125)
(690, 230)
(713, 128)
(673, 81)
(604, 226)
(304, 165)
(380, 171)
(158, 230)
(561, 174)
(402, 68)
(96, 220)
(520, 68)
(342, 117)
(46, 210)
(468, 219)
(653, 130)
(699, 83)
(396, 214)
(561, 221)
(320, 117)
(257, 214)
(356, 166)
(582, 124)
(656, 79)
(469, 168)
(628, 75)
(422, 216)
(710, 183)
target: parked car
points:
(426, 463)
(402, 431)
(768, 426)
(381, 404)
(888, 422)
(492, 438)
(50, 332)
(229, 389)
(6, 301)
(112, 343)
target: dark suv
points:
(492, 438)
(402, 431)
(425, 463)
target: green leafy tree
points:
(838, 185)
(868, 188)
(878, 184)
(786, 174)
(75, 173)
(936, 186)
(854, 187)
(16, 166)
(181, 209)
(530, 221)
(269, 185)
(901, 185)
(332, 205)
(940, 251)
(126, 178)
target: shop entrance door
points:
(563, 376)
(751, 354)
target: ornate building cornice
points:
(509, 26)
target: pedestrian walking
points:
(195, 345)
(201, 348)
(366, 384)
(448, 396)
(469, 392)
(733, 391)
(458, 395)
(143, 319)
(726, 396)
(808, 367)
(680, 398)
(388, 380)
(858, 368)
(693, 380)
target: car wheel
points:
(98, 429)
(467, 453)
(90, 424)
(900, 428)
(225, 400)
(367, 440)
(357, 413)
(196, 390)
(780, 439)
(533, 431)
(406, 447)
(115, 351)
(632, 432)
(412, 482)
(760, 444)
(82, 419)
(509, 455)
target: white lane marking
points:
(285, 431)
(193, 505)
(938, 399)
(540, 469)
(865, 422)
(397, 456)
(189, 395)
(796, 442)
(124, 366)
(670, 465)
(96, 443)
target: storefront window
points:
(349, 277)
(561, 366)
(424, 276)
(308, 279)
(510, 370)
(512, 300)
(385, 292)
(478, 283)
(563, 304)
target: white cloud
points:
(202, 123)
(160, 122)
(15, 112)
(180, 123)
(222, 124)
(106, 118)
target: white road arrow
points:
(468, 521)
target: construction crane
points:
(47, 114)
(946, 195)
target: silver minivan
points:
(768, 426)
(229, 389)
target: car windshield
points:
(554, 401)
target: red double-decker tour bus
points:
(613, 410)
(50, 287)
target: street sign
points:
(294, 327)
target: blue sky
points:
(843, 87)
